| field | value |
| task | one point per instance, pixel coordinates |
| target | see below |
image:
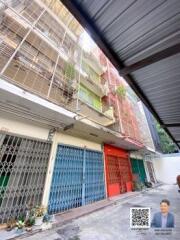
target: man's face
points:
(164, 207)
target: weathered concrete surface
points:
(112, 223)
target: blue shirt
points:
(164, 220)
(160, 221)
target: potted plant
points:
(20, 226)
(39, 213)
(29, 223)
(47, 222)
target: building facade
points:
(66, 122)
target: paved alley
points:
(113, 221)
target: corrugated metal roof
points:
(142, 39)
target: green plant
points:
(121, 91)
(20, 224)
(30, 221)
(138, 186)
(69, 71)
(167, 145)
(21, 218)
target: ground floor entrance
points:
(138, 169)
(23, 168)
(78, 178)
(118, 170)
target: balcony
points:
(104, 118)
(98, 88)
(92, 60)
(35, 72)
(47, 31)
(92, 80)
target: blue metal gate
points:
(78, 178)
(94, 177)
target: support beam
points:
(171, 125)
(151, 59)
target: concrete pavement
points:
(112, 222)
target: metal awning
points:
(142, 40)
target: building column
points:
(50, 169)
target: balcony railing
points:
(38, 66)
(38, 75)
(19, 18)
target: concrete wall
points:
(167, 167)
(23, 128)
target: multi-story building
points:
(60, 114)
(142, 160)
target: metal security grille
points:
(78, 178)
(118, 172)
(66, 186)
(23, 167)
(150, 171)
(94, 176)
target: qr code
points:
(140, 217)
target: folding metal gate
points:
(150, 171)
(78, 178)
(138, 168)
(118, 170)
(23, 167)
(94, 176)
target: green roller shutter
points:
(138, 168)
